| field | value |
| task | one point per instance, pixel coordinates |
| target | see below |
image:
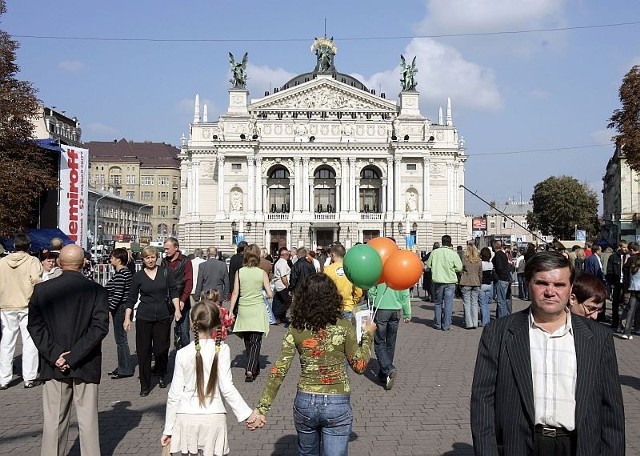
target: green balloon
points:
(362, 266)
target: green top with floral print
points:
(322, 356)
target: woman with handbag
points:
(158, 306)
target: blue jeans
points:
(444, 304)
(523, 289)
(122, 344)
(387, 322)
(486, 295)
(322, 420)
(504, 305)
(267, 304)
(470, 305)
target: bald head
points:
(71, 258)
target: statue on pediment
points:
(408, 72)
(325, 50)
(238, 71)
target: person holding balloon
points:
(388, 304)
(350, 293)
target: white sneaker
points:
(624, 336)
(391, 378)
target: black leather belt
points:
(550, 431)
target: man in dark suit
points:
(235, 263)
(546, 381)
(212, 274)
(68, 318)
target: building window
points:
(504, 222)
(116, 180)
(236, 166)
(163, 196)
(279, 199)
(324, 173)
(174, 210)
(131, 179)
(147, 196)
(146, 180)
(369, 200)
(492, 225)
(163, 211)
(369, 173)
(163, 180)
(100, 179)
(131, 195)
(324, 199)
(412, 167)
(279, 173)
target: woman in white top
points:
(50, 268)
(486, 289)
(196, 420)
(634, 295)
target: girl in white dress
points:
(196, 420)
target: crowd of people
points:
(63, 318)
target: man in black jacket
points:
(175, 261)
(501, 267)
(614, 278)
(68, 318)
(301, 268)
(235, 263)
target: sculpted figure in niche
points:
(236, 200)
(412, 203)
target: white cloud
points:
(71, 66)
(485, 16)
(263, 78)
(443, 72)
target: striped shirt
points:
(118, 288)
(554, 367)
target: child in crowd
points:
(196, 420)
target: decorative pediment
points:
(323, 94)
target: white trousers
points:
(12, 322)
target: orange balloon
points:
(384, 246)
(402, 270)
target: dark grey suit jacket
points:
(212, 274)
(502, 408)
(69, 313)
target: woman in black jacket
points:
(158, 291)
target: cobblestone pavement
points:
(426, 413)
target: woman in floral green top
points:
(322, 338)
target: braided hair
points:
(205, 318)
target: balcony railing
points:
(278, 216)
(370, 216)
(324, 216)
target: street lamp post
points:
(95, 229)
(139, 209)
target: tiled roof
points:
(148, 154)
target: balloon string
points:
(375, 308)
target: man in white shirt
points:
(546, 381)
(281, 276)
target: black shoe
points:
(162, 382)
(248, 377)
(119, 376)
(4, 387)
(113, 372)
(144, 393)
(32, 384)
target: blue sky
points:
(547, 93)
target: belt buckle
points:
(548, 432)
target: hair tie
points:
(198, 347)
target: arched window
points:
(370, 173)
(324, 173)
(279, 173)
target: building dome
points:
(340, 77)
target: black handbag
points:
(170, 307)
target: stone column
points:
(352, 183)
(338, 195)
(221, 189)
(196, 188)
(251, 194)
(398, 194)
(390, 183)
(425, 185)
(383, 197)
(357, 195)
(190, 203)
(296, 196)
(344, 169)
(265, 197)
(293, 191)
(450, 188)
(306, 196)
(258, 186)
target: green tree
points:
(25, 170)
(561, 203)
(626, 120)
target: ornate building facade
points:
(321, 159)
